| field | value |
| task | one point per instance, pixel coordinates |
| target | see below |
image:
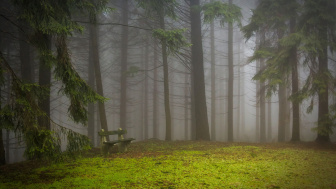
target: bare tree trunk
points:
(155, 95)
(142, 113)
(213, 82)
(201, 115)
(99, 83)
(242, 130)
(2, 150)
(269, 119)
(230, 81)
(146, 89)
(91, 107)
(257, 105)
(166, 84)
(239, 87)
(323, 95)
(7, 131)
(186, 106)
(282, 96)
(288, 114)
(192, 107)
(98, 124)
(258, 94)
(262, 97)
(2, 147)
(282, 113)
(123, 64)
(171, 97)
(295, 87)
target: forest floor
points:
(185, 164)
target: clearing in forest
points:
(185, 164)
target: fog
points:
(145, 116)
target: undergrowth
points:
(185, 164)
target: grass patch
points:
(185, 164)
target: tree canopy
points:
(52, 18)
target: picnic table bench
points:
(121, 142)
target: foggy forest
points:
(227, 71)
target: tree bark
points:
(258, 104)
(282, 113)
(99, 83)
(155, 95)
(201, 116)
(166, 83)
(123, 64)
(91, 107)
(262, 97)
(230, 81)
(282, 96)
(323, 125)
(269, 119)
(258, 94)
(146, 90)
(192, 107)
(213, 82)
(242, 128)
(238, 87)
(295, 87)
(186, 106)
(2, 147)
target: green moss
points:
(183, 166)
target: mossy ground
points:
(185, 164)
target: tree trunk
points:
(171, 100)
(262, 97)
(91, 107)
(282, 113)
(230, 81)
(155, 95)
(257, 104)
(186, 106)
(192, 107)
(213, 82)
(288, 114)
(7, 131)
(45, 81)
(201, 115)
(282, 96)
(238, 87)
(295, 87)
(166, 83)
(2, 150)
(269, 119)
(2, 147)
(99, 83)
(242, 128)
(141, 112)
(146, 89)
(123, 64)
(98, 123)
(323, 125)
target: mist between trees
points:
(236, 71)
